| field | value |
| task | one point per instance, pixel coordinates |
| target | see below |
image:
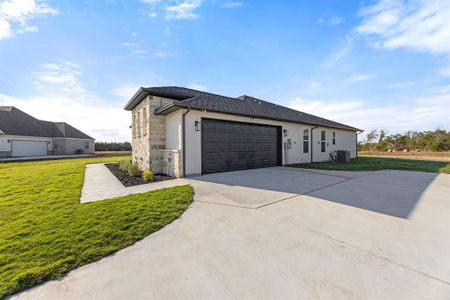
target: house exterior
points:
(182, 132)
(22, 135)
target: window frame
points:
(323, 140)
(144, 121)
(139, 124)
(306, 141)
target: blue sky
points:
(370, 64)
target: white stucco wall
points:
(173, 130)
(345, 140)
(6, 147)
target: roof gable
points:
(13, 121)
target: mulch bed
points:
(128, 180)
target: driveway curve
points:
(282, 233)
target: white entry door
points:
(29, 148)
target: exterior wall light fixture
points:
(197, 126)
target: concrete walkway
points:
(100, 184)
(282, 233)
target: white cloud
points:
(333, 21)
(183, 10)
(399, 85)
(60, 75)
(5, 29)
(197, 86)
(15, 15)
(62, 95)
(338, 52)
(356, 78)
(419, 25)
(444, 71)
(103, 121)
(172, 9)
(420, 113)
(162, 54)
(232, 4)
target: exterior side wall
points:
(148, 134)
(345, 140)
(65, 146)
(5, 146)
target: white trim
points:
(59, 138)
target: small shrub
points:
(148, 176)
(130, 168)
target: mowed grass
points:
(45, 232)
(381, 163)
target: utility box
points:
(342, 156)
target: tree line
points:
(112, 146)
(380, 140)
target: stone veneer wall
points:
(149, 144)
(172, 163)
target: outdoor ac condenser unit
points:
(342, 156)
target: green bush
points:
(130, 168)
(148, 176)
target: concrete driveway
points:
(282, 233)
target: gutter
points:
(178, 105)
(183, 132)
(312, 144)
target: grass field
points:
(435, 156)
(45, 231)
(381, 163)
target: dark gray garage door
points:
(228, 146)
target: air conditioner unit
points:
(342, 156)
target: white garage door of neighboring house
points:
(29, 148)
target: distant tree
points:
(438, 140)
(372, 136)
(112, 146)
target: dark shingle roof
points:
(244, 105)
(13, 121)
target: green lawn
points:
(381, 163)
(45, 232)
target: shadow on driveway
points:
(393, 193)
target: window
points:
(139, 124)
(86, 145)
(305, 140)
(334, 138)
(133, 126)
(322, 141)
(144, 116)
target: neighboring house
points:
(181, 132)
(22, 135)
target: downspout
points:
(183, 131)
(312, 144)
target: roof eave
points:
(165, 110)
(136, 99)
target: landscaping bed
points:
(128, 180)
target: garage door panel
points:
(28, 148)
(228, 146)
